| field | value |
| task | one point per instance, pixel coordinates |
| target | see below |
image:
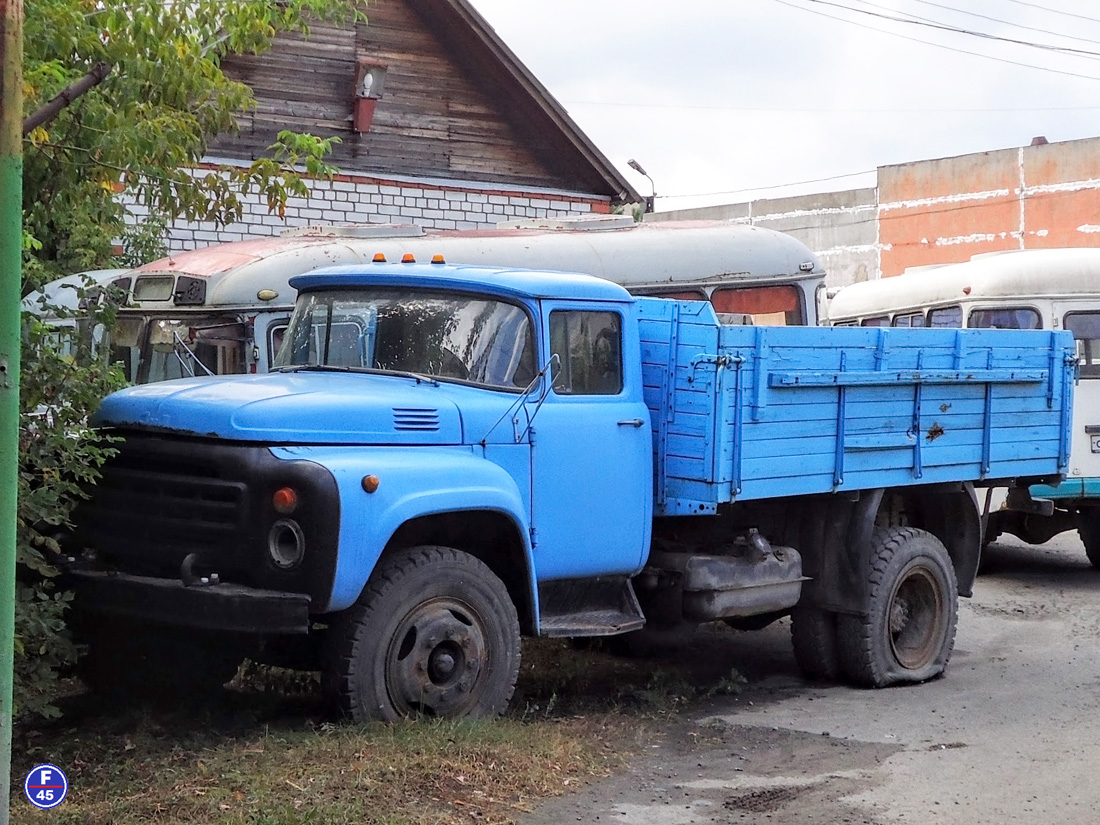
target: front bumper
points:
(221, 607)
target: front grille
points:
(163, 498)
(151, 508)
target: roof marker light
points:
(438, 259)
(408, 258)
(379, 258)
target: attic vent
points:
(408, 418)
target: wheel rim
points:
(915, 618)
(436, 658)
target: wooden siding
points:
(434, 119)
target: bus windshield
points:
(440, 334)
(157, 348)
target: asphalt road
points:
(1011, 734)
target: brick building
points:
(439, 123)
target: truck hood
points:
(291, 408)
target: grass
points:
(265, 754)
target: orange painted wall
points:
(945, 211)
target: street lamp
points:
(637, 167)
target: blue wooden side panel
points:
(755, 412)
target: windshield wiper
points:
(316, 368)
(415, 376)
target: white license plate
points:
(1095, 443)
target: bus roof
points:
(609, 247)
(1050, 273)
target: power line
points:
(934, 44)
(916, 21)
(1006, 22)
(767, 188)
(1055, 11)
(829, 110)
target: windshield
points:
(156, 348)
(447, 335)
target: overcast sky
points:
(725, 100)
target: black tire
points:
(1088, 528)
(434, 633)
(154, 665)
(813, 634)
(908, 631)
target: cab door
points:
(591, 446)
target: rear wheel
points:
(434, 633)
(813, 634)
(908, 631)
(1088, 528)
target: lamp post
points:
(637, 167)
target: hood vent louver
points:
(412, 418)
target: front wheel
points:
(908, 631)
(434, 633)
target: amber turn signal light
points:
(285, 500)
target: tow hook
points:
(192, 579)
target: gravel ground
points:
(1010, 735)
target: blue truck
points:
(447, 458)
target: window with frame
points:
(1005, 318)
(589, 348)
(772, 306)
(1085, 327)
(945, 317)
(910, 319)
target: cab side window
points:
(588, 345)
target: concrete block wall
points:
(355, 199)
(840, 227)
(939, 211)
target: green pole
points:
(11, 259)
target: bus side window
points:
(1085, 327)
(877, 321)
(1005, 318)
(911, 319)
(946, 317)
(771, 306)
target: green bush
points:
(61, 383)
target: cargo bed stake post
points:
(11, 243)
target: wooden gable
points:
(457, 104)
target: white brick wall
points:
(349, 200)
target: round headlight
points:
(286, 543)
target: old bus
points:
(1025, 289)
(223, 309)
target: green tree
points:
(140, 132)
(146, 126)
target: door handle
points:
(632, 422)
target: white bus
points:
(222, 309)
(1025, 289)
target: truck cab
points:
(498, 413)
